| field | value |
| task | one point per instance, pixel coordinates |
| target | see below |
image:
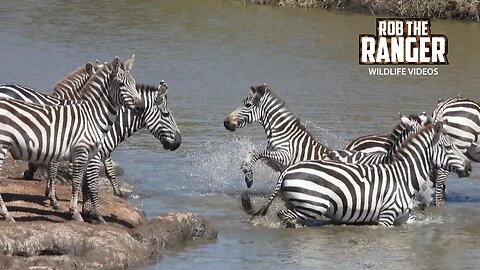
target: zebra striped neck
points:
(128, 123)
(277, 119)
(96, 95)
(415, 156)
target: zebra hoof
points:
(118, 193)
(56, 207)
(77, 217)
(249, 179)
(99, 220)
(9, 219)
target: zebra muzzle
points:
(139, 106)
(230, 125)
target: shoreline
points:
(45, 238)
(464, 10)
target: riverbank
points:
(439, 9)
(43, 238)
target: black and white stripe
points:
(378, 143)
(46, 134)
(461, 118)
(288, 141)
(157, 118)
(357, 194)
(408, 126)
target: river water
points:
(210, 52)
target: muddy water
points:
(210, 52)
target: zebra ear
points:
(162, 89)
(116, 63)
(439, 101)
(438, 130)
(89, 69)
(259, 89)
(405, 120)
(129, 63)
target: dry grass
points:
(442, 9)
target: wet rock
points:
(43, 238)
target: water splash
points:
(215, 167)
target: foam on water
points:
(217, 170)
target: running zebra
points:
(46, 134)
(364, 194)
(461, 118)
(288, 140)
(157, 118)
(377, 143)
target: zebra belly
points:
(312, 200)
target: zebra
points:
(379, 194)
(73, 82)
(157, 118)
(288, 140)
(408, 126)
(65, 92)
(461, 119)
(51, 133)
(377, 143)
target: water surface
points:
(210, 52)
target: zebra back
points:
(402, 131)
(461, 119)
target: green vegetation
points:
(442, 9)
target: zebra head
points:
(123, 88)
(159, 121)
(447, 156)
(250, 110)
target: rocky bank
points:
(43, 238)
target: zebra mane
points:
(402, 151)
(146, 87)
(398, 129)
(105, 69)
(72, 77)
(296, 120)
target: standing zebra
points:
(461, 118)
(157, 118)
(377, 143)
(73, 82)
(46, 134)
(358, 194)
(65, 92)
(288, 140)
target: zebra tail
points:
(264, 209)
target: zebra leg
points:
(3, 208)
(288, 217)
(28, 173)
(387, 217)
(92, 183)
(439, 181)
(50, 189)
(86, 202)
(277, 156)
(79, 164)
(110, 172)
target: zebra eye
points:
(248, 105)
(165, 113)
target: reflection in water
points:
(210, 52)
